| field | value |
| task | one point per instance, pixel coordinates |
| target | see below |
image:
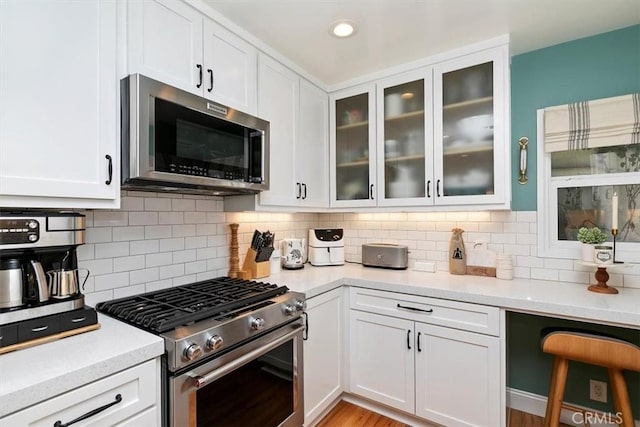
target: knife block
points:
(256, 269)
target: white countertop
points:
(34, 374)
(547, 298)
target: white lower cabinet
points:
(323, 351)
(137, 405)
(402, 356)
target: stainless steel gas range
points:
(233, 351)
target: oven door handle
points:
(199, 381)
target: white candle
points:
(614, 213)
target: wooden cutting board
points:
(481, 261)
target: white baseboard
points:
(536, 405)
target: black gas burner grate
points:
(164, 310)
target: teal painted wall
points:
(595, 67)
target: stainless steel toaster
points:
(385, 255)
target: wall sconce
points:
(522, 179)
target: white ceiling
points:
(392, 32)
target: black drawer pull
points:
(90, 413)
(371, 192)
(409, 339)
(428, 189)
(418, 339)
(210, 71)
(108, 181)
(79, 319)
(304, 187)
(40, 329)
(438, 188)
(415, 309)
(299, 190)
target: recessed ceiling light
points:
(342, 29)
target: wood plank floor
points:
(349, 415)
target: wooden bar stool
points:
(588, 347)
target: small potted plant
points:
(590, 237)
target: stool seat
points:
(596, 349)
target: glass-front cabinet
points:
(471, 130)
(405, 139)
(352, 151)
(436, 135)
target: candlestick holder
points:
(614, 233)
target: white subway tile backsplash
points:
(157, 241)
(157, 231)
(98, 235)
(128, 263)
(144, 246)
(110, 218)
(158, 259)
(111, 250)
(143, 218)
(157, 204)
(111, 281)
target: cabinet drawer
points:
(78, 319)
(453, 314)
(40, 327)
(137, 387)
(8, 335)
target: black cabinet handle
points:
(419, 333)
(409, 339)
(89, 414)
(305, 334)
(371, 192)
(428, 189)
(108, 181)
(438, 188)
(304, 194)
(200, 74)
(415, 309)
(299, 190)
(210, 71)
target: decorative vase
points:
(587, 252)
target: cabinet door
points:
(230, 68)
(58, 109)
(405, 139)
(352, 147)
(165, 43)
(457, 377)
(323, 353)
(472, 129)
(278, 104)
(381, 358)
(312, 147)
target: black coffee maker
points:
(40, 289)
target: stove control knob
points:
(192, 352)
(257, 324)
(289, 310)
(301, 305)
(215, 342)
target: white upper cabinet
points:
(471, 130)
(59, 143)
(352, 147)
(176, 44)
(278, 104)
(440, 135)
(230, 68)
(312, 147)
(405, 139)
(298, 144)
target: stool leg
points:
(621, 396)
(556, 392)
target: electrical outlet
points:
(598, 391)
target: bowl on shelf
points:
(476, 128)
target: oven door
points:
(258, 384)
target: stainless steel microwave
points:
(173, 140)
